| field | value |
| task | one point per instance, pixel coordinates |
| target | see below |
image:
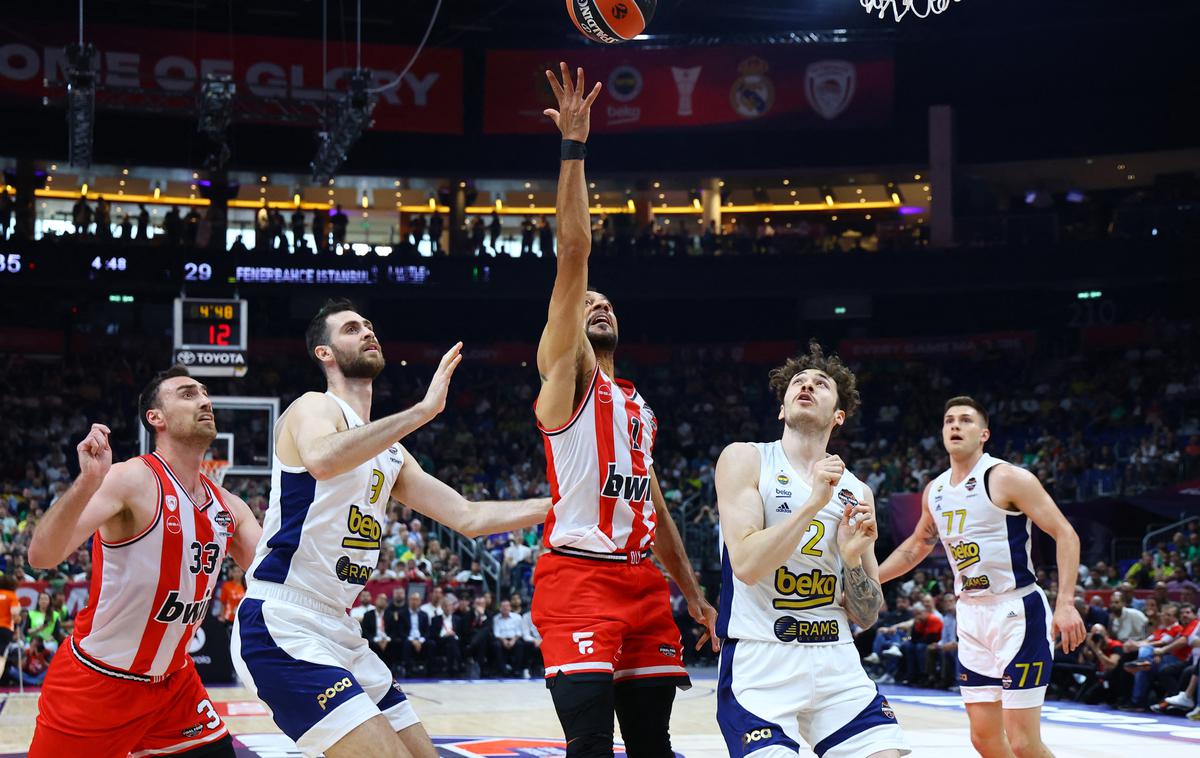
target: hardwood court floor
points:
(935, 722)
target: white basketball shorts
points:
(1005, 648)
(311, 665)
(771, 697)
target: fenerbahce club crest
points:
(829, 86)
(753, 94)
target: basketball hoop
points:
(214, 469)
(901, 8)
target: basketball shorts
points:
(1005, 648)
(773, 697)
(84, 712)
(607, 619)
(309, 662)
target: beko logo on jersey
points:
(330, 693)
(788, 629)
(173, 609)
(782, 493)
(366, 527)
(976, 582)
(756, 735)
(965, 554)
(351, 572)
(813, 589)
(630, 487)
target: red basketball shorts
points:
(597, 617)
(86, 713)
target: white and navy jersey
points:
(151, 592)
(323, 537)
(987, 546)
(801, 601)
(598, 465)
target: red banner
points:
(163, 62)
(772, 86)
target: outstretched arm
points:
(1011, 485)
(916, 548)
(326, 452)
(668, 546)
(430, 496)
(563, 344)
(862, 596)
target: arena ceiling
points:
(511, 23)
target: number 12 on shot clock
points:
(210, 336)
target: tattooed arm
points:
(914, 549)
(862, 597)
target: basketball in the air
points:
(611, 21)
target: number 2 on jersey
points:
(810, 547)
(962, 521)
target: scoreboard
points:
(211, 336)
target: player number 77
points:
(1037, 682)
(962, 520)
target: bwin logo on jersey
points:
(173, 609)
(756, 735)
(965, 554)
(812, 590)
(629, 487)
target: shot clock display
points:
(210, 324)
(210, 336)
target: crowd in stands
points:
(1088, 426)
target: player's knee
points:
(645, 715)
(1024, 746)
(987, 741)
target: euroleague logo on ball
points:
(611, 22)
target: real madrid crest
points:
(753, 94)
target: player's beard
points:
(603, 342)
(360, 365)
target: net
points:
(901, 8)
(214, 469)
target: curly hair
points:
(847, 385)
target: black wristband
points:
(573, 150)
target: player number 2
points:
(206, 708)
(1037, 681)
(810, 547)
(376, 484)
(962, 520)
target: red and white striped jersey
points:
(150, 592)
(598, 465)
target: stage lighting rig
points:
(216, 114)
(81, 102)
(349, 117)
